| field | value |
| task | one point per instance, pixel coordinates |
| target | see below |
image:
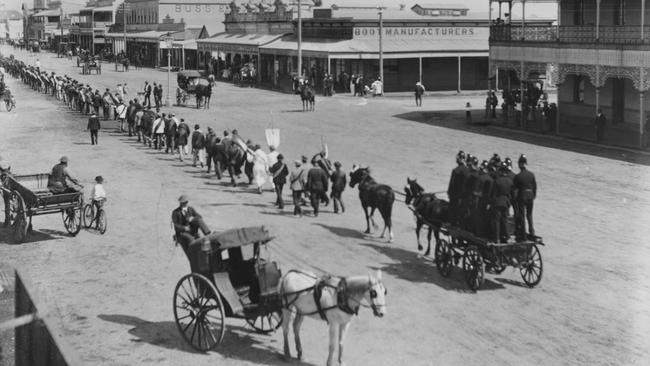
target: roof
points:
(48, 13)
(189, 44)
(190, 74)
(440, 6)
(241, 38)
(145, 35)
(234, 238)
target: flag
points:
(273, 137)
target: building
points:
(47, 22)
(11, 23)
(94, 21)
(148, 22)
(447, 50)
(597, 54)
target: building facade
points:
(598, 55)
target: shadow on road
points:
(342, 231)
(412, 267)
(455, 120)
(34, 236)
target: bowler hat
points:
(99, 179)
(183, 198)
(64, 159)
(304, 159)
(280, 157)
(523, 159)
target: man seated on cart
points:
(57, 182)
(187, 223)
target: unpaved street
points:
(112, 293)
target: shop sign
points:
(404, 33)
(199, 8)
(231, 48)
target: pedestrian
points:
(93, 127)
(297, 188)
(525, 192)
(488, 103)
(120, 112)
(107, 103)
(352, 84)
(98, 197)
(130, 116)
(482, 192)
(494, 101)
(182, 134)
(339, 180)
(272, 158)
(260, 167)
(97, 102)
(147, 94)
(317, 184)
(279, 171)
(198, 146)
(468, 113)
(419, 92)
(187, 223)
(155, 95)
(158, 132)
(600, 125)
(501, 198)
(170, 133)
(211, 141)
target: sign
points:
(199, 8)
(413, 33)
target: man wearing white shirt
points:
(98, 196)
(120, 111)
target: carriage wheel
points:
(474, 268)
(88, 215)
(199, 312)
(18, 217)
(72, 219)
(9, 104)
(102, 222)
(266, 323)
(444, 258)
(531, 270)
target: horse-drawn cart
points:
(228, 279)
(480, 255)
(29, 196)
(91, 65)
(191, 82)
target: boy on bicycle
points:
(98, 196)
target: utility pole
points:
(299, 39)
(381, 44)
(124, 24)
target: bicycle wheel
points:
(102, 223)
(89, 215)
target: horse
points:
(308, 97)
(428, 209)
(374, 196)
(334, 299)
(203, 93)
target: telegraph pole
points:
(299, 39)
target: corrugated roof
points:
(243, 39)
(440, 6)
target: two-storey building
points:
(598, 55)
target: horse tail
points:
(387, 212)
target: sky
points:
(542, 10)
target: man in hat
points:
(279, 172)
(170, 132)
(339, 180)
(187, 223)
(482, 194)
(297, 187)
(456, 184)
(501, 198)
(211, 141)
(120, 113)
(198, 146)
(5, 171)
(317, 182)
(57, 181)
(93, 127)
(525, 192)
(147, 94)
(98, 196)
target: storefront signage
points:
(230, 48)
(420, 32)
(199, 8)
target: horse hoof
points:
(420, 247)
(427, 253)
(367, 232)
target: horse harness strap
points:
(342, 298)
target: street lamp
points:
(169, 42)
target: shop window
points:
(579, 90)
(579, 12)
(390, 66)
(619, 12)
(618, 100)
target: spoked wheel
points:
(72, 219)
(102, 222)
(199, 312)
(531, 269)
(266, 323)
(9, 105)
(474, 268)
(88, 215)
(444, 258)
(18, 217)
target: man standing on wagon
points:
(525, 188)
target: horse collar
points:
(342, 298)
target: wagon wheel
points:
(531, 269)
(88, 215)
(72, 219)
(199, 312)
(102, 222)
(9, 104)
(18, 217)
(474, 268)
(444, 258)
(266, 323)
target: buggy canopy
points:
(234, 238)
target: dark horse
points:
(428, 210)
(203, 95)
(227, 155)
(374, 196)
(308, 97)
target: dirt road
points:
(113, 292)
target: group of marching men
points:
(480, 197)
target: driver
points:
(187, 223)
(57, 182)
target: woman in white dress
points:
(260, 167)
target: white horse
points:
(340, 299)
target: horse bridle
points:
(373, 295)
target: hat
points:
(183, 198)
(196, 127)
(4, 165)
(304, 159)
(209, 128)
(99, 179)
(280, 157)
(523, 159)
(64, 159)
(337, 164)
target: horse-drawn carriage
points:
(229, 279)
(29, 196)
(90, 65)
(192, 82)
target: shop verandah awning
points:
(369, 48)
(236, 42)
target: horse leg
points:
(365, 211)
(334, 336)
(232, 175)
(286, 319)
(343, 330)
(372, 220)
(297, 322)
(418, 226)
(428, 242)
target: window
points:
(579, 12)
(619, 12)
(579, 90)
(618, 100)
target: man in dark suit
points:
(600, 125)
(339, 181)
(501, 198)
(93, 126)
(456, 184)
(279, 171)
(187, 223)
(147, 94)
(525, 192)
(317, 183)
(482, 193)
(5, 171)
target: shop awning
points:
(369, 48)
(189, 44)
(148, 36)
(236, 42)
(48, 13)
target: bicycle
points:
(90, 216)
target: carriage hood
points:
(236, 237)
